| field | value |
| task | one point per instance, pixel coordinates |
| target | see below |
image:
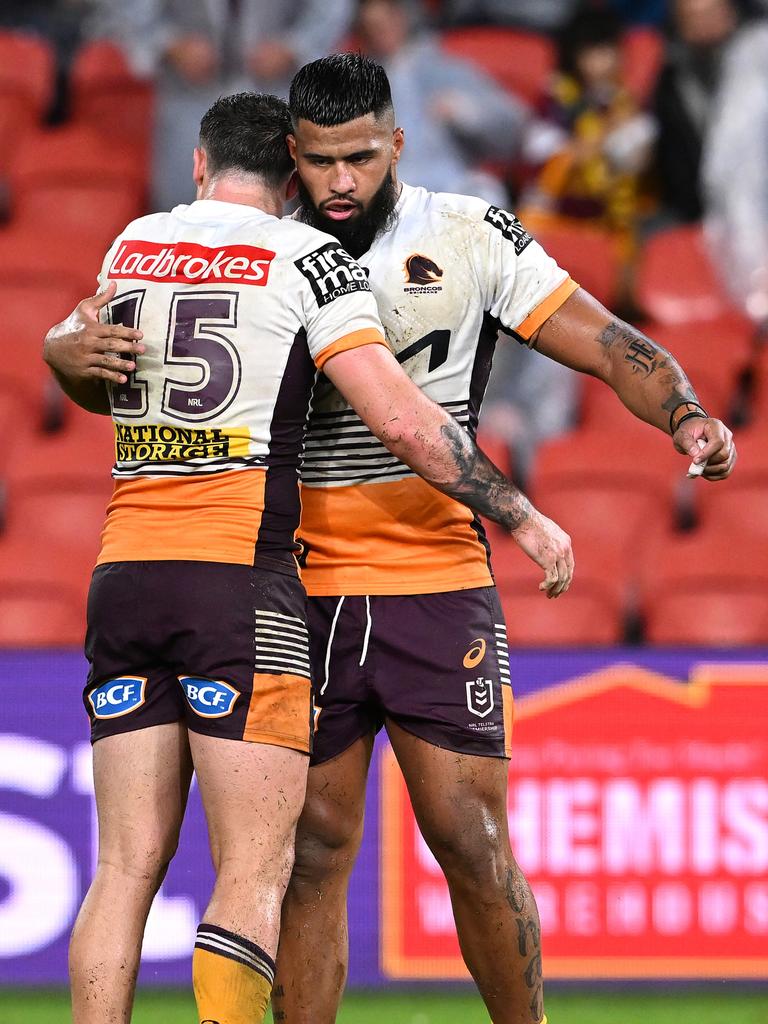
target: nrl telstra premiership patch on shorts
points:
(118, 696)
(209, 698)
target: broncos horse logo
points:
(422, 270)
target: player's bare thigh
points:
(142, 782)
(252, 794)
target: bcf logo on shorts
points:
(480, 697)
(209, 698)
(118, 696)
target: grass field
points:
(702, 1007)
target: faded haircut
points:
(247, 132)
(339, 88)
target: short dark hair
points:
(339, 88)
(587, 28)
(247, 132)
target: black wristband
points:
(691, 409)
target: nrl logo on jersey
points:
(510, 227)
(423, 274)
(332, 273)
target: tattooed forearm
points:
(642, 354)
(646, 377)
(476, 482)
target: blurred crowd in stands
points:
(630, 136)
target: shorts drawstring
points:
(368, 625)
(330, 642)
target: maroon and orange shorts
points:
(436, 664)
(223, 648)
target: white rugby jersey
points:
(238, 309)
(447, 276)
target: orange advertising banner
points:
(638, 810)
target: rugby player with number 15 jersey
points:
(197, 637)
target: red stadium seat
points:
(43, 591)
(739, 504)
(27, 70)
(612, 526)
(584, 615)
(71, 182)
(28, 311)
(759, 403)
(609, 456)
(84, 447)
(709, 586)
(61, 511)
(589, 256)
(48, 615)
(642, 50)
(29, 256)
(520, 61)
(676, 281)
(710, 614)
(106, 92)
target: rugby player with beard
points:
(406, 626)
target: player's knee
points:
(145, 860)
(326, 846)
(474, 854)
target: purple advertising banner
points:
(48, 828)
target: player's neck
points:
(245, 191)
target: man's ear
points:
(291, 141)
(199, 162)
(292, 187)
(398, 140)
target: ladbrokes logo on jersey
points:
(510, 227)
(332, 273)
(187, 263)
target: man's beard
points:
(358, 232)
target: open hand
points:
(550, 547)
(83, 348)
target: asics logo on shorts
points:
(209, 698)
(118, 696)
(475, 654)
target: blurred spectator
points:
(701, 31)
(592, 143)
(532, 15)
(453, 115)
(735, 172)
(546, 15)
(198, 49)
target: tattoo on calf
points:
(516, 892)
(528, 938)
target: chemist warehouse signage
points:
(638, 809)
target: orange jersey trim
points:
(367, 336)
(203, 518)
(545, 309)
(399, 537)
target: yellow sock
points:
(232, 977)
